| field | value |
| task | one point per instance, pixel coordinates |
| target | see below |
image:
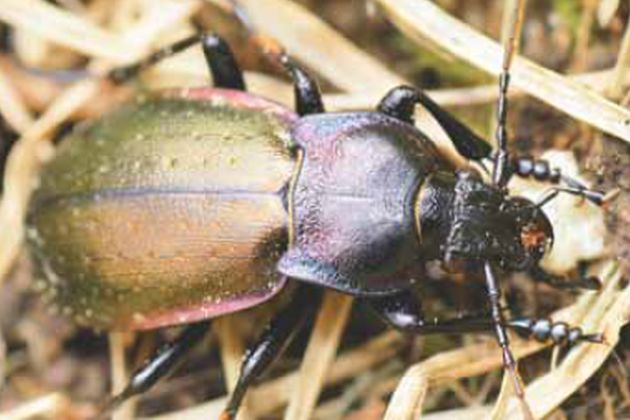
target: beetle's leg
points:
(274, 339)
(400, 103)
(589, 283)
(221, 62)
(308, 98)
(403, 311)
(226, 72)
(159, 365)
(509, 363)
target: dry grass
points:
(103, 34)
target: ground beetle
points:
(200, 202)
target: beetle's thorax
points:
(351, 201)
(464, 221)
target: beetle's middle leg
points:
(273, 340)
(223, 67)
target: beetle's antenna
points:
(500, 178)
(509, 362)
(500, 175)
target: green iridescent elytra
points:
(166, 211)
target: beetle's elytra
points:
(199, 202)
(167, 211)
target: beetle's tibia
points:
(223, 66)
(159, 365)
(308, 98)
(400, 103)
(274, 339)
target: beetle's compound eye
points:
(535, 239)
(534, 228)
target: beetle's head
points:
(532, 229)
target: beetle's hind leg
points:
(273, 340)
(400, 103)
(159, 365)
(221, 62)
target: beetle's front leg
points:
(273, 340)
(159, 365)
(403, 312)
(400, 103)
(559, 282)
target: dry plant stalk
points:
(319, 355)
(12, 107)
(309, 39)
(606, 11)
(3, 359)
(44, 406)
(119, 374)
(65, 29)
(422, 19)
(615, 86)
(232, 351)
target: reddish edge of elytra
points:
(236, 99)
(203, 311)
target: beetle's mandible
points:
(196, 203)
